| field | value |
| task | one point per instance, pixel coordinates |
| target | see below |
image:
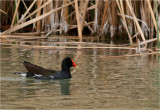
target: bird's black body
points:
(38, 72)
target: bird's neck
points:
(66, 69)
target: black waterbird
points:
(38, 72)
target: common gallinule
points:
(38, 72)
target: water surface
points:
(124, 83)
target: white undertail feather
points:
(22, 74)
(37, 75)
(51, 76)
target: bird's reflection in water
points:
(65, 86)
(30, 86)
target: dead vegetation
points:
(98, 18)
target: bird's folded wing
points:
(34, 69)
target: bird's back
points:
(37, 70)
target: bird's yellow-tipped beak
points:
(74, 65)
(77, 67)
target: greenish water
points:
(125, 83)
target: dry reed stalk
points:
(143, 17)
(84, 14)
(51, 16)
(89, 27)
(75, 26)
(53, 42)
(50, 38)
(148, 41)
(81, 2)
(105, 14)
(131, 18)
(84, 22)
(36, 19)
(63, 17)
(27, 12)
(17, 36)
(15, 13)
(78, 20)
(29, 38)
(148, 15)
(26, 9)
(100, 12)
(152, 14)
(113, 22)
(10, 29)
(128, 21)
(151, 33)
(139, 20)
(43, 20)
(72, 38)
(72, 47)
(146, 18)
(56, 14)
(73, 16)
(27, 33)
(133, 55)
(3, 11)
(66, 11)
(120, 6)
(35, 11)
(3, 7)
(95, 24)
(17, 16)
(91, 7)
(38, 14)
(135, 20)
(47, 19)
